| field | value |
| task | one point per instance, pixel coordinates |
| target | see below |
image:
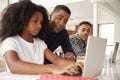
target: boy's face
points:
(59, 20)
(84, 31)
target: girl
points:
(22, 30)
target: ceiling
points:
(113, 5)
(82, 9)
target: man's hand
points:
(69, 56)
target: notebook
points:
(115, 51)
(95, 55)
(62, 77)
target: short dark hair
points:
(62, 7)
(17, 15)
(85, 22)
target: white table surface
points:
(111, 73)
(9, 76)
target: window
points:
(107, 31)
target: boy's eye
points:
(88, 30)
(65, 21)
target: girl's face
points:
(35, 24)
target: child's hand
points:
(71, 69)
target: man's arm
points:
(66, 47)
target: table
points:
(9, 76)
(110, 73)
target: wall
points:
(3, 4)
(117, 34)
(109, 15)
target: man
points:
(79, 39)
(58, 35)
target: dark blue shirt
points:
(61, 38)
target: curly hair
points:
(17, 16)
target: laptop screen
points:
(95, 55)
(115, 51)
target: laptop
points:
(115, 51)
(94, 58)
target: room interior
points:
(94, 11)
(97, 12)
